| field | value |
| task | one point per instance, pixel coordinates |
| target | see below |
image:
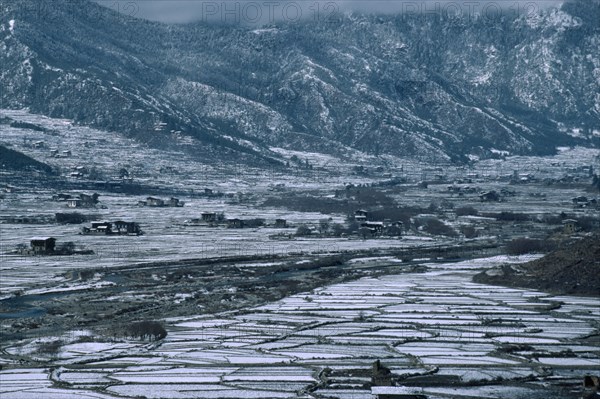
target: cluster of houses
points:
(236, 223)
(214, 219)
(78, 172)
(118, 227)
(377, 228)
(78, 200)
(158, 202)
(39, 246)
(54, 153)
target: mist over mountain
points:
(430, 85)
(256, 13)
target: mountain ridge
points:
(421, 86)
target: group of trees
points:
(596, 182)
(466, 211)
(71, 218)
(327, 228)
(521, 246)
(145, 330)
(436, 227)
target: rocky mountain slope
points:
(420, 85)
(571, 269)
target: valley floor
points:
(432, 327)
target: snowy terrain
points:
(437, 324)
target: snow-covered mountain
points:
(426, 85)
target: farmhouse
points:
(569, 226)
(152, 201)
(157, 202)
(126, 228)
(235, 223)
(376, 228)
(175, 202)
(209, 216)
(42, 245)
(100, 228)
(61, 197)
(74, 203)
(78, 201)
(118, 227)
(360, 215)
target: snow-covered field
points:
(437, 324)
(166, 236)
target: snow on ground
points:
(420, 321)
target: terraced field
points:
(436, 330)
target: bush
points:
(352, 228)
(364, 233)
(252, 223)
(466, 211)
(337, 229)
(328, 261)
(303, 230)
(468, 231)
(512, 217)
(324, 226)
(552, 219)
(70, 218)
(436, 227)
(520, 246)
(307, 203)
(588, 223)
(151, 330)
(50, 348)
(66, 248)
